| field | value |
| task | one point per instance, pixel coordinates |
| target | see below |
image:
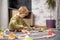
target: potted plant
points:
(51, 5)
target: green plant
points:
(51, 3)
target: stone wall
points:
(41, 12)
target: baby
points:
(17, 23)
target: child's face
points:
(22, 13)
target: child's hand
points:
(26, 32)
(21, 25)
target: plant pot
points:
(51, 23)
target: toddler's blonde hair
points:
(24, 8)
